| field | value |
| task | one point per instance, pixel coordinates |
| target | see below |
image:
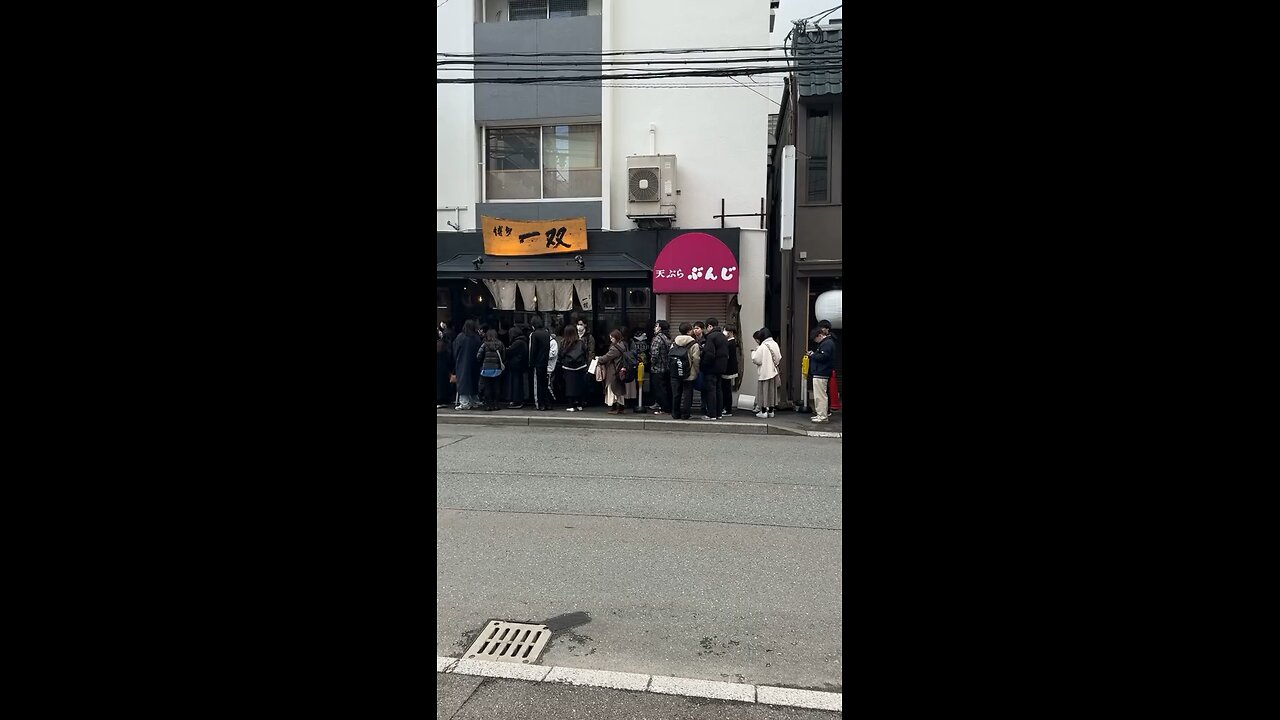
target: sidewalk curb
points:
(604, 423)
(638, 682)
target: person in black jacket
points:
(539, 354)
(715, 359)
(820, 370)
(731, 370)
(466, 366)
(517, 367)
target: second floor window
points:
(818, 137)
(533, 163)
(543, 9)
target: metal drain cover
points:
(510, 642)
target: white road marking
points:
(598, 678)
(800, 698)
(489, 668)
(702, 688)
(666, 685)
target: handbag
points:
(599, 373)
(595, 365)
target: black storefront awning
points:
(595, 265)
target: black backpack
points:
(678, 362)
(627, 366)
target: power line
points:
(823, 13)
(709, 61)
(675, 86)
(766, 97)
(669, 51)
(723, 72)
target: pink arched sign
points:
(695, 263)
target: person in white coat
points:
(768, 357)
(553, 361)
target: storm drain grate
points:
(510, 642)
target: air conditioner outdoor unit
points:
(651, 189)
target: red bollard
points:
(835, 392)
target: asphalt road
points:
(688, 554)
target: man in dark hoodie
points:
(715, 359)
(517, 367)
(539, 354)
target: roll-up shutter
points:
(692, 308)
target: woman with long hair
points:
(573, 367)
(614, 389)
(767, 356)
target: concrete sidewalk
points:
(743, 422)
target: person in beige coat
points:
(614, 389)
(767, 356)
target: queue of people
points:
(557, 366)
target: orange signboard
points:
(533, 237)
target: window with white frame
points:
(546, 9)
(535, 163)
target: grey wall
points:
(507, 101)
(542, 211)
(818, 232)
(819, 227)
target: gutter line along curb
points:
(728, 428)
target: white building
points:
(537, 152)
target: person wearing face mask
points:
(661, 383)
(588, 340)
(638, 343)
(581, 328)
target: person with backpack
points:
(683, 359)
(493, 356)
(573, 367)
(658, 360)
(767, 356)
(615, 386)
